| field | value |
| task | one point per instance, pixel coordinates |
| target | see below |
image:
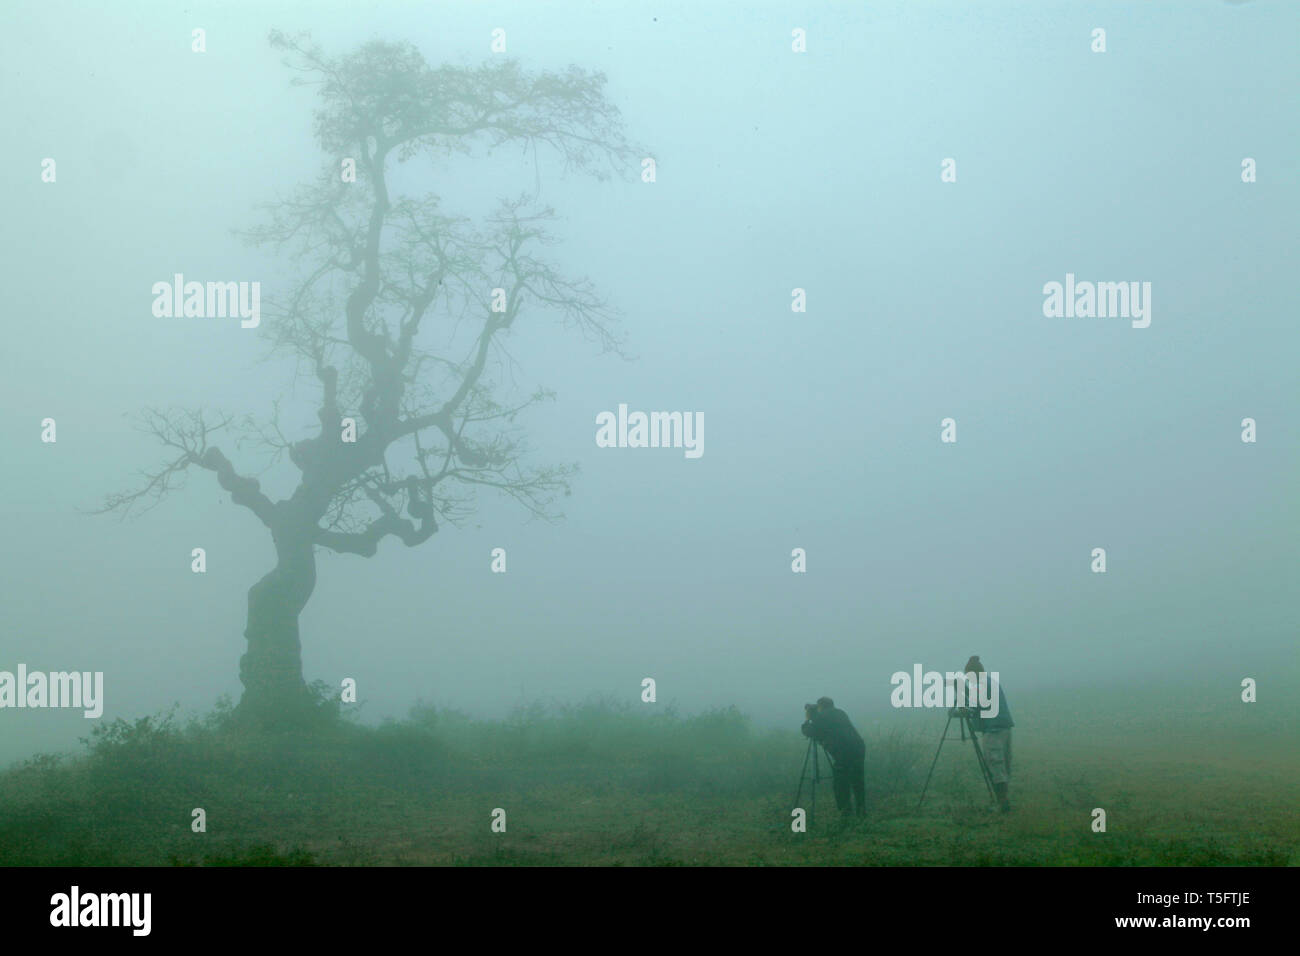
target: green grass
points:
(608, 785)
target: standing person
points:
(831, 727)
(996, 731)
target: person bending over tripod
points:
(829, 726)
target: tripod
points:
(817, 777)
(967, 723)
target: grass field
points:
(599, 784)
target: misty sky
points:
(776, 170)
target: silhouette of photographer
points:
(829, 726)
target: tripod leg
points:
(804, 773)
(984, 764)
(933, 762)
(817, 775)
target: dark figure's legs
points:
(840, 780)
(858, 779)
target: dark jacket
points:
(832, 729)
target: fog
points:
(775, 171)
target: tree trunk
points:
(275, 694)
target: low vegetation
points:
(605, 784)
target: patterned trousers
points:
(997, 754)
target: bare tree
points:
(377, 268)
